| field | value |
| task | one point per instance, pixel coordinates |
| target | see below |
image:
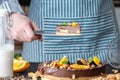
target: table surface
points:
(33, 68)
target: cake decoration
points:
(65, 28)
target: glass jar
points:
(6, 46)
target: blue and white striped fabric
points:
(11, 6)
(97, 21)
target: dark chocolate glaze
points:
(69, 72)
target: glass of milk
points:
(6, 46)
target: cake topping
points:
(63, 60)
(74, 24)
(96, 60)
(63, 68)
(64, 24)
(80, 67)
(80, 64)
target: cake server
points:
(40, 32)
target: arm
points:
(23, 27)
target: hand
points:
(23, 28)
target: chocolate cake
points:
(68, 29)
(82, 70)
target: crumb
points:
(118, 76)
(37, 74)
(73, 76)
(115, 71)
(111, 76)
(31, 74)
(108, 77)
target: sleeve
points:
(11, 6)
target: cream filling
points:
(64, 31)
(66, 34)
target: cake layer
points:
(67, 34)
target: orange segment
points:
(19, 58)
(20, 65)
(96, 60)
(76, 66)
(74, 24)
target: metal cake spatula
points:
(40, 32)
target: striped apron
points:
(97, 21)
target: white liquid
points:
(6, 60)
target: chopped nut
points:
(31, 74)
(73, 76)
(34, 78)
(45, 65)
(37, 74)
(84, 61)
(92, 66)
(61, 67)
(111, 77)
(98, 78)
(118, 76)
(66, 66)
(100, 65)
(115, 71)
(53, 65)
(69, 67)
(48, 65)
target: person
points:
(96, 18)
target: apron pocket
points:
(59, 44)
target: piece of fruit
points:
(63, 60)
(96, 60)
(20, 65)
(76, 66)
(20, 58)
(74, 24)
(90, 59)
(64, 24)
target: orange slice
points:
(19, 58)
(76, 66)
(20, 65)
(96, 60)
(74, 24)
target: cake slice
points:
(68, 29)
